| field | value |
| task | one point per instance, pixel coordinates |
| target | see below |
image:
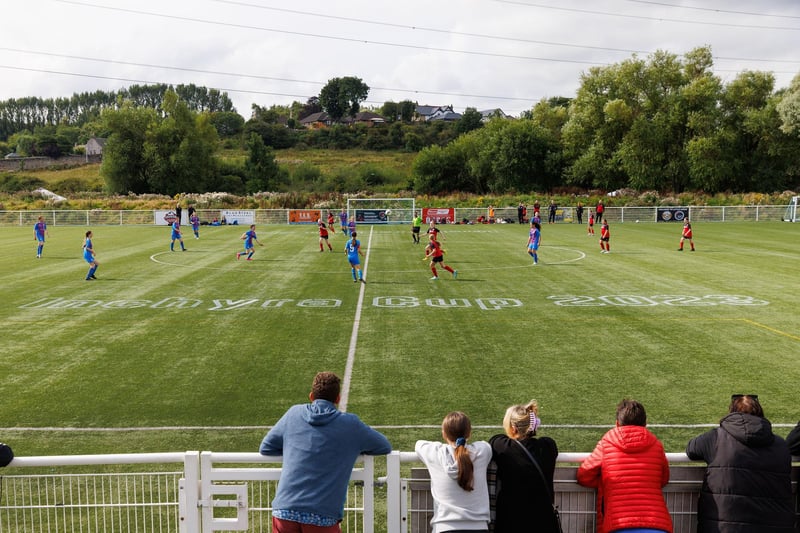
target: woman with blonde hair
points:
(525, 467)
(458, 477)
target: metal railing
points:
(110, 217)
(233, 492)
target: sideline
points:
(376, 426)
(351, 352)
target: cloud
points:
(476, 53)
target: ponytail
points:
(457, 428)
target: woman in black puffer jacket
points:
(747, 485)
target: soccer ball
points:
(388, 212)
(637, 221)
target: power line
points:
(478, 35)
(713, 10)
(644, 17)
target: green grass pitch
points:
(173, 351)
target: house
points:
(489, 114)
(322, 120)
(366, 117)
(315, 121)
(94, 146)
(442, 112)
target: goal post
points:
(791, 210)
(381, 210)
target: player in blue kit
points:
(353, 250)
(89, 257)
(176, 236)
(39, 232)
(194, 220)
(534, 239)
(249, 237)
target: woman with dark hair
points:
(747, 485)
(524, 501)
(458, 477)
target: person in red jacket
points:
(629, 468)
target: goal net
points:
(381, 210)
(791, 210)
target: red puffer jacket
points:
(628, 468)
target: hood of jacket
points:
(448, 461)
(321, 412)
(751, 430)
(631, 439)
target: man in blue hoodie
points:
(319, 445)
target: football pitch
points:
(173, 351)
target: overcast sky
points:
(486, 54)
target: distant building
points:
(94, 146)
(322, 120)
(488, 114)
(428, 113)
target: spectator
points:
(551, 212)
(523, 486)
(458, 477)
(793, 440)
(747, 486)
(521, 213)
(320, 445)
(579, 212)
(628, 467)
(599, 210)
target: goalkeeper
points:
(435, 253)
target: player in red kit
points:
(323, 236)
(435, 253)
(605, 236)
(687, 234)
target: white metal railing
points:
(566, 214)
(233, 492)
(210, 492)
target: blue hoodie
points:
(319, 445)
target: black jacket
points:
(747, 486)
(793, 440)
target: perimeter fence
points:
(468, 215)
(206, 491)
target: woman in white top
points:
(458, 477)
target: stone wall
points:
(37, 163)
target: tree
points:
(342, 97)
(261, 168)
(470, 120)
(227, 123)
(124, 166)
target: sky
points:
(486, 54)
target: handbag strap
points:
(536, 464)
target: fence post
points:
(394, 520)
(188, 494)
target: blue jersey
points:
(534, 237)
(195, 220)
(87, 250)
(39, 229)
(176, 230)
(249, 237)
(351, 249)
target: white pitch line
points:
(351, 352)
(380, 427)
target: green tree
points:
(342, 97)
(470, 120)
(125, 168)
(261, 169)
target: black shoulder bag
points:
(544, 480)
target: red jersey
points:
(435, 249)
(604, 233)
(330, 219)
(323, 231)
(687, 231)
